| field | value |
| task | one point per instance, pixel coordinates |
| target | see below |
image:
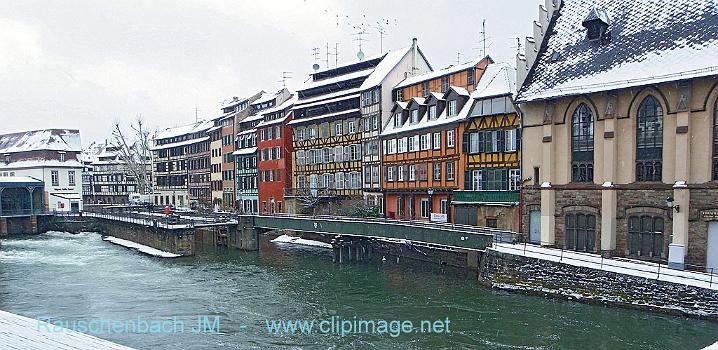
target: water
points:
(79, 277)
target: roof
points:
(202, 125)
(440, 73)
(323, 116)
(425, 123)
(180, 143)
(41, 163)
(19, 181)
(499, 79)
(233, 101)
(387, 64)
(41, 140)
(245, 151)
(650, 42)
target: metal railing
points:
(651, 268)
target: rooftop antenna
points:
(336, 54)
(285, 76)
(483, 37)
(458, 58)
(315, 54)
(196, 113)
(382, 33)
(518, 46)
(360, 39)
(326, 59)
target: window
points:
(327, 180)
(715, 143)
(514, 179)
(437, 171)
(444, 206)
(339, 154)
(432, 112)
(300, 134)
(338, 129)
(645, 234)
(339, 180)
(397, 120)
(451, 109)
(71, 177)
(450, 170)
(325, 155)
(412, 172)
(581, 232)
(425, 88)
(7, 158)
(277, 133)
(474, 145)
(399, 95)
(301, 181)
(492, 222)
(510, 139)
(444, 84)
(470, 76)
(649, 141)
(277, 153)
(367, 124)
(400, 173)
(270, 134)
(355, 180)
(424, 142)
(62, 156)
(55, 178)
(476, 180)
(582, 145)
(313, 132)
(390, 173)
(437, 140)
(402, 145)
(392, 146)
(325, 131)
(450, 138)
(261, 135)
(414, 116)
(352, 127)
(425, 208)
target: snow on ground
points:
(618, 265)
(141, 248)
(712, 347)
(300, 241)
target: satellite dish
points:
(360, 55)
(315, 66)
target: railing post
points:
(658, 274)
(561, 258)
(710, 284)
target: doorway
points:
(535, 226)
(712, 248)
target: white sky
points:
(85, 64)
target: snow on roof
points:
(333, 80)
(424, 122)
(439, 73)
(349, 63)
(202, 125)
(181, 143)
(459, 90)
(233, 101)
(387, 64)
(322, 99)
(264, 97)
(323, 116)
(41, 163)
(252, 118)
(286, 104)
(18, 179)
(650, 42)
(37, 140)
(498, 79)
(245, 151)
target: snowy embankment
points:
(625, 266)
(300, 241)
(141, 248)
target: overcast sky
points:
(85, 64)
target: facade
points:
(336, 124)
(51, 156)
(620, 150)
(275, 156)
(106, 178)
(421, 155)
(491, 154)
(181, 166)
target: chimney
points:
(414, 53)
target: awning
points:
(70, 196)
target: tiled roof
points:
(36, 140)
(651, 41)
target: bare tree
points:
(134, 152)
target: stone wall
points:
(701, 199)
(178, 241)
(546, 278)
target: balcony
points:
(486, 197)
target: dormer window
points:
(397, 120)
(62, 156)
(444, 84)
(432, 112)
(414, 116)
(596, 23)
(451, 109)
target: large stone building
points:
(620, 109)
(337, 121)
(51, 156)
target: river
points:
(70, 278)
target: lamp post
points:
(670, 204)
(430, 191)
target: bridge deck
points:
(22, 333)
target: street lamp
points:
(670, 204)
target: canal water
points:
(70, 278)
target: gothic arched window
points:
(582, 145)
(649, 140)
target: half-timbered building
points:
(337, 121)
(489, 195)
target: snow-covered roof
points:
(245, 151)
(387, 64)
(341, 97)
(18, 179)
(199, 126)
(40, 163)
(499, 79)
(650, 42)
(333, 80)
(425, 123)
(247, 131)
(264, 97)
(180, 143)
(440, 73)
(287, 104)
(233, 101)
(323, 116)
(459, 90)
(41, 140)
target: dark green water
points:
(80, 277)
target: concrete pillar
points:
(548, 219)
(608, 193)
(248, 235)
(681, 194)
(33, 224)
(3, 227)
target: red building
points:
(274, 150)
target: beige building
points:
(620, 123)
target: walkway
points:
(625, 266)
(22, 333)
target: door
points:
(535, 226)
(712, 253)
(75, 207)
